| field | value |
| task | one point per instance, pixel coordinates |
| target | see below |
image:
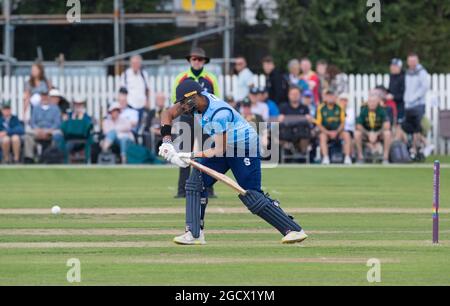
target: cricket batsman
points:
(235, 148)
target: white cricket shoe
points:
(188, 239)
(326, 161)
(294, 237)
(348, 161)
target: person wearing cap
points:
(397, 87)
(56, 98)
(235, 148)
(331, 122)
(258, 106)
(274, 111)
(135, 79)
(245, 79)
(197, 72)
(126, 112)
(117, 130)
(308, 100)
(44, 125)
(11, 131)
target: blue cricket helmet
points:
(187, 89)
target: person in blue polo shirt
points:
(235, 148)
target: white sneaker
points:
(386, 162)
(326, 161)
(348, 161)
(294, 237)
(428, 150)
(188, 239)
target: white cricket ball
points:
(56, 210)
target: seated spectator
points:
(350, 120)
(388, 103)
(308, 100)
(258, 106)
(127, 112)
(255, 120)
(11, 129)
(331, 122)
(56, 98)
(45, 126)
(296, 108)
(117, 131)
(373, 127)
(274, 111)
(77, 128)
(153, 120)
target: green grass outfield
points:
(119, 223)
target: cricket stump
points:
(437, 176)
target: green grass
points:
(242, 250)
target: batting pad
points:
(194, 188)
(270, 211)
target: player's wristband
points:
(166, 131)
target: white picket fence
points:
(100, 91)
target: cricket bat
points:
(219, 177)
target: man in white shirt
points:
(136, 81)
(244, 79)
(258, 107)
(127, 113)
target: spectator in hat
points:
(276, 84)
(274, 110)
(126, 112)
(245, 79)
(197, 59)
(397, 87)
(56, 98)
(258, 106)
(309, 76)
(135, 79)
(308, 100)
(45, 125)
(35, 87)
(11, 130)
(331, 122)
(117, 130)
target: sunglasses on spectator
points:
(197, 59)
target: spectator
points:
(136, 81)
(322, 73)
(117, 131)
(258, 106)
(77, 128)
(127, 112)
(245, 79)
(294, 75)
(331, 122)
(34, 88)
(56, 98)
(295, 108)
(350, 120)
(153, 123)
(373, 126)
(11, 129)
(274, 111)
(45, 126)
(256, 120)
(416, 88)
(197, 59)
(308, 100)
(337, 80)
(389, 104)
(230, 100)
(311, 78)
(275, 83)
(397, 87)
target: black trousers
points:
(186, 172)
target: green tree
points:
(339, 32)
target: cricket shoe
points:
(188, 239)
(294, 237)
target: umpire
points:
(197, 72)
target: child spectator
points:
(308, 100)
(117, 130)
(11, 129)
(258, 106)
(311, 78)
(373, 126)
(331, 122)
(45, 125)
(34, 88)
